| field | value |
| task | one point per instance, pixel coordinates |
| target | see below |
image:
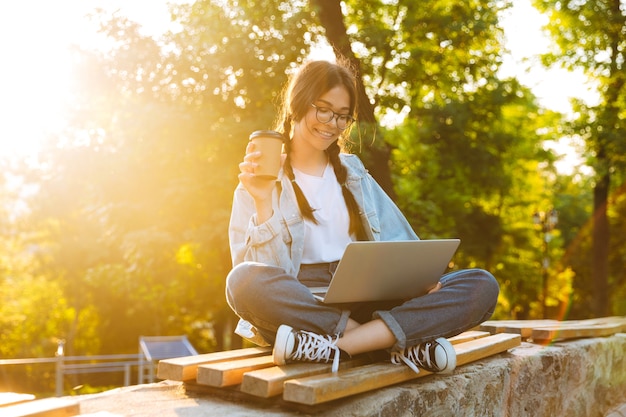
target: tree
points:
(466, 154)
(139, 188)
(376, 153)
(589, 36)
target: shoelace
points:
(416, 355)
(315, 348)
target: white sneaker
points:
(300, 345)
(437, 356)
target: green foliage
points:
(35, 312)
(474, 167)
(134, 199)
(589, 36)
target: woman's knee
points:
(242, 278)
(485, 285)
(249, 280)
(490, 285)
(480, 283)
(488, 290)
(236, 277)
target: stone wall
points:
(578, 378)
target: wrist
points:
(264, 210)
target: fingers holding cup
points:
(265, 146)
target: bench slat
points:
(226, 374)
(467, 336)
(546, 330)
(185, 368)
(575, 331)
(521, 327)
(269, 382)
(11, 398)
(47, 407)
(621, 320)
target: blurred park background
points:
(119, 153)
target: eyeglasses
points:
(325, 115)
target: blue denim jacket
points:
(279, 241)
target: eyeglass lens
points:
(325, 115)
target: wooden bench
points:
(251, 371)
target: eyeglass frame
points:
(335, 116)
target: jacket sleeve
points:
(381, 214)
(393, 225)
(266, 243)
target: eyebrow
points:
(329, 104)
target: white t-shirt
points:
(327, 240)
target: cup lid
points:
(267, 133)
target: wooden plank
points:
(328, 387)
(226, 374)
(482, 348)
(526, 328)
(467, 336)
(621, 320)
(11, 398)
(564, 331)
(47, 407)
(521, 327)
(185, 368)
(269, 382)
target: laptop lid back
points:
(390, 270)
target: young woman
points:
(286, 235)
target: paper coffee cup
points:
(270, 143)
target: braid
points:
(303, 204)
(356, 227)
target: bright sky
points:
(525, 40)
(34, 75)
(554, 87)
(34, 36)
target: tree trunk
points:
(601, 234)
(606, 147)
(375, 154)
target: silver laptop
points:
(396, 270)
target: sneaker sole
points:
(450, 355)
(280, 344)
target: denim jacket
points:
(280, 240)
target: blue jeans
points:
(267, 297)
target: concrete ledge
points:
(579, 378)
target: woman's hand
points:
(260, 188)
(436, 288)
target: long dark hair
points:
(313, 80)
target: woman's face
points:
(315, 135)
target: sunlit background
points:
(35, 38)
(116, 187)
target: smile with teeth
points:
(325, 134)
